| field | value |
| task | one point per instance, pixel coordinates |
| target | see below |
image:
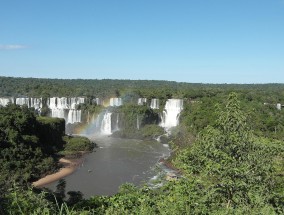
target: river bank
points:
(69, 166)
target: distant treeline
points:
(105, 88)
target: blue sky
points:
(207, 41)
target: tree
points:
(234, 166)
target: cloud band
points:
(12, 47)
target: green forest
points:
(228, 148)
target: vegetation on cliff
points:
(30, 145)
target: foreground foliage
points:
(30, 145)
(235, 167)
(25, 152)
(227, 170)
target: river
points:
(114, 162)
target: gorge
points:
(105, 122)
(115, 161)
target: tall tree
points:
(235, 167)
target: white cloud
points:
(12, 47)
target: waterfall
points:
(36, 103)
(75, 101)
(22, 101)
(171, 113)
(72, 103)
(138, 123)
(154, 103)
(58, 113)
(74, 116)
(52, 103)
(97, 101)
(62, 103)
(57, 106)
(142, 101)
(106, 124)
(5, 101)
(115, 102)
(116, 126)
(60, 106)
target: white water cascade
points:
(106, 124)
(154, 104)
(74, 116)
(58, 113)
(171, 113)
(115, 102)
(22, 101)
(36, 103)
(138, 123)
(117, 122)
(97, 101)
(142, 101)
(66, 108)
(75, 101)
(5, 101)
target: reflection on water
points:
(114, 162)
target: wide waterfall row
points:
(106, 122)
(64, 103)
(30, 102)
(171, 113)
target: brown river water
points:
(114, 162)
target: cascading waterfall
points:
(22, 101)
(154, 104)
(106, 124)
(66, 108)
(62, 103)
(75, 101)
(138, 123)
(51, 103)
(117, 122)
(171, 113)
(74, 116)
(36, 103)
(5, 101)
(115, 102)
(97, 101)
(58, 113)
(60, 107)
(142, 101)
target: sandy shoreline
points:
(69, 166)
